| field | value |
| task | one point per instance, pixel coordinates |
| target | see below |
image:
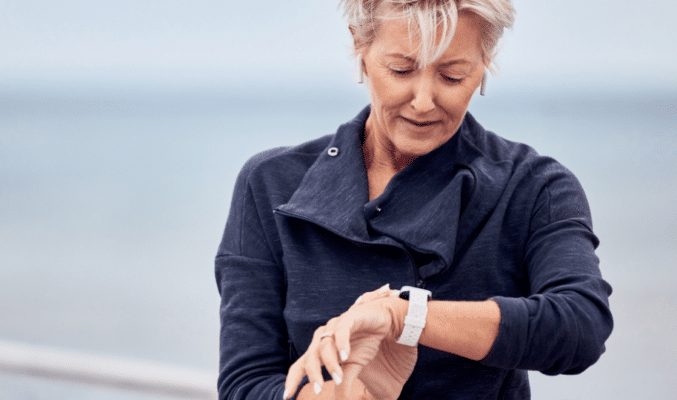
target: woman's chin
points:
(416, 146)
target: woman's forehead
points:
(399, 37)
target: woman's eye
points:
(450, 79)
(400, 71)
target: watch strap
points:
(414, 322)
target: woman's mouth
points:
(420, 123)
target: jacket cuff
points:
(510, 344)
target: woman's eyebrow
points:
(460, 61)
(400, 55)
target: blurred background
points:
(124, 124)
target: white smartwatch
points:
(414, 322)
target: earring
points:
(360, 72)
(483, 86)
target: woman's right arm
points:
(254, 353)
(254, 357)
(254, 350)
(253, 345)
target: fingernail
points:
(317, 388)
(358, 299)
(384, 288)
(285, 394)
(344, 355)
(395, 293)
(337, 378)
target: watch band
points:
(414, 322)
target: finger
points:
(373, 295)
(314, 371)
(329, 357)
(331, 324)
(300, 368)
(342, 339)
(313, 364)
(329, 353)
(294, 377)
(383, 289)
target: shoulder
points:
(279, 170)
(289, 155)
(552, 190)
(524, 158)
(285, 160)
(561, 196)
(495, 148)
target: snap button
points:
(333, 151)
(378, 209)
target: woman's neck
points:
(381, 159)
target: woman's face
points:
(414, 111)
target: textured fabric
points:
(480, 217)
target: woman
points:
(413, 191)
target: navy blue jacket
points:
(479, 217)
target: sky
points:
(620, 45)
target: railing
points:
(67, 365)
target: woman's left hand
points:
(363, 338)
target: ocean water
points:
(112, 206)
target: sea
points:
(113, 202)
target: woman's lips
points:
(420, 123)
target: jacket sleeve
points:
(253, 359)
(561, 327)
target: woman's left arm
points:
(562, 325)
(466, 328)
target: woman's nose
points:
(424, 94)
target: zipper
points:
(420, 283)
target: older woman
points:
(492, 242)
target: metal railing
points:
(112, 372)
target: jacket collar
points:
(422, 207)
(334, 189)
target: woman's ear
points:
(359, 53)
(352, 33)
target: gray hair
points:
(427, 16)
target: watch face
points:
(405, 295)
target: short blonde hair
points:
(427, 16)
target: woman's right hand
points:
(372, 364)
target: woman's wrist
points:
(398, 309)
